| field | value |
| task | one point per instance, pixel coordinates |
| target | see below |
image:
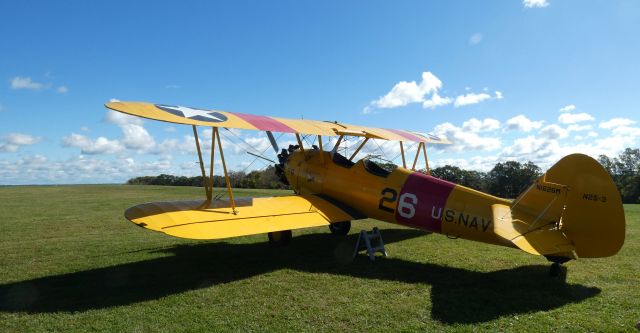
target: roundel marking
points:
(193, 113)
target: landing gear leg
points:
(280, 238)
(556, 267)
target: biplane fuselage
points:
(401, 196)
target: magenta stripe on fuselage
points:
(430, 196)
(264, 123)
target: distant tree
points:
(628, 163)
(509, 179)
(145, 180)
(266, 179)
(468, 178)
(625, 172)
(609, 164)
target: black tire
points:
(280, 238)
(340, 228)
(554, 270)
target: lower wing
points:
(215, 219)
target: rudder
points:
(577, 198)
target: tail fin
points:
(574, 209)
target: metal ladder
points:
(370, 241)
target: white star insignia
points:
(190, 112)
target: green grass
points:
(70, 262)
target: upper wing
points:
(214, 118)
(215, 219)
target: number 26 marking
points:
(406, 206)
(388, 195)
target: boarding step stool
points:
(370, 241)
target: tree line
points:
(265, 179)
(506, 179)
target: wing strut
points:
(321, 151)
(426, 160)
(204, 175)
(422, 146)
(335, 148)
(224, 168)
(213, 145)
(299, 142)
(364, 142)
(404, 162)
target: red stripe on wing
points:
(407, 135)
(265, 123)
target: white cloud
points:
(554, 131)
(101, 145)
(475, 125)
(436, 101)
(578, 128)
(85, 129)
(535, 3)
(120, 119)
(522, 123)
(572, 118)
(546, 149)
(38, 169)
(568, 108)
(136, 137)
(464, 140)
(404, 92)
(170, 129)
(616, 122)
(470, 98)
(20, 82)
(62, 90)
(475, 39)
(530, 148)
(21, 139)
(627, 131)
(12, 142)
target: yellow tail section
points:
(573, 210)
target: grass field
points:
(70, 262)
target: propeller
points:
(274, 144)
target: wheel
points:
(340, 228)
(554, 270)
(280, 238)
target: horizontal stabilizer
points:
(546, 240)
(203, 219)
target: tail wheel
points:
(340, 228)
(555, 270)
(280, 238)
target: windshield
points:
(378, 166)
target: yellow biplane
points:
(572, 211)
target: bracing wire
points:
(258, 158)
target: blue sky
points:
(492, 76)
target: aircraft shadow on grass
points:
(457, 295)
